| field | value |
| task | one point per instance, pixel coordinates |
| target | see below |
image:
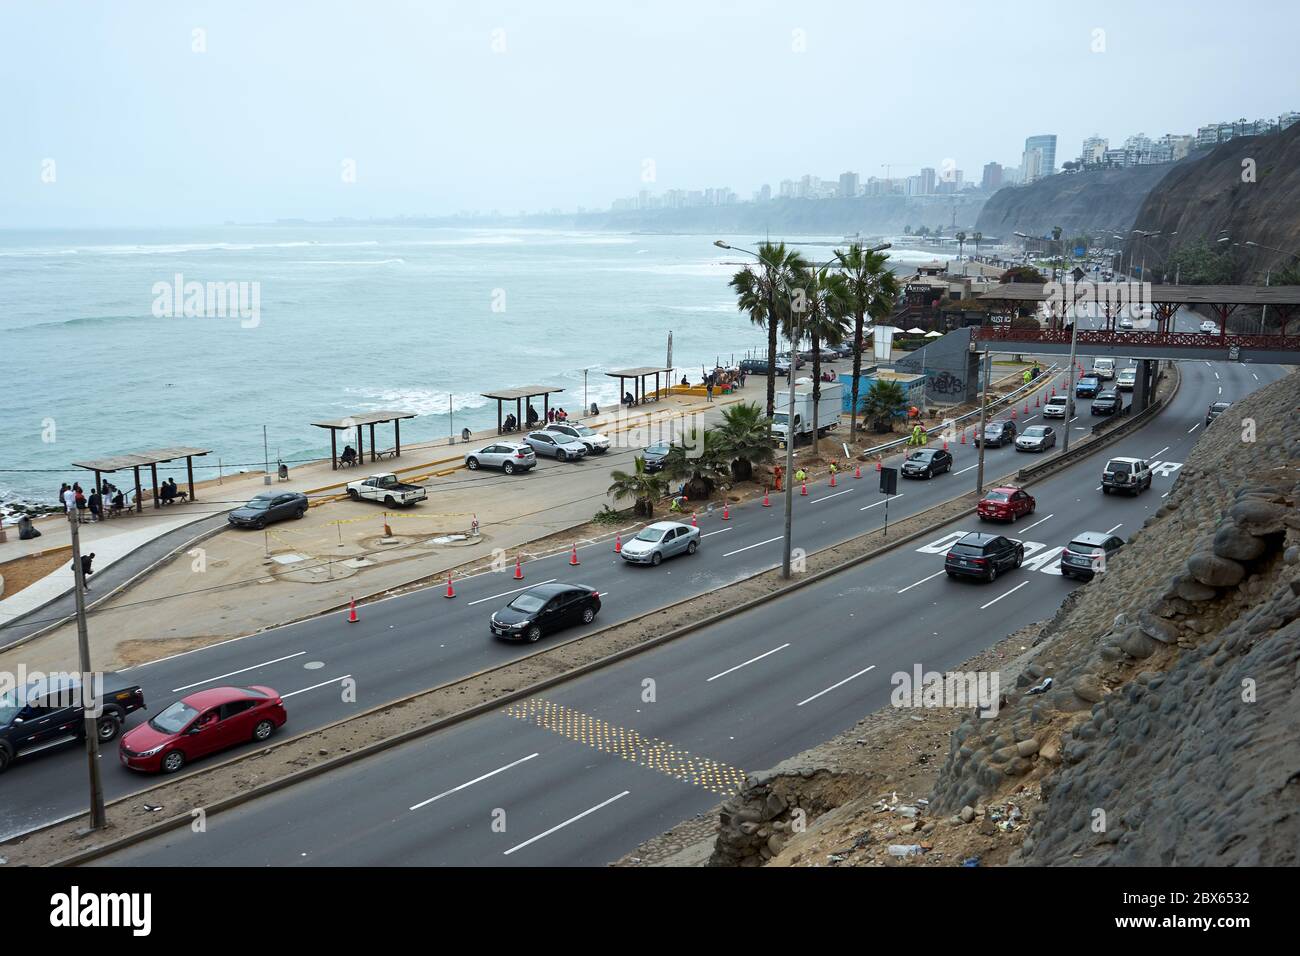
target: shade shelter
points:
(150, 458)
(359, 421)
(638, 377)
(520, 395)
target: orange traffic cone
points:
(352, 611)
(857, 472)
(573, 556)
(451, 592)
(694, 523)
(618, 544)
(945, 444)
(519, 569)
(767, 502)
(388, 532)
(832, 479)
(1026, 406)
(963, 436)
(878, 463)
(803, 489)
(726, 515)
(1036, 405)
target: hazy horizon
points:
(126, 116)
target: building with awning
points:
(150, 459)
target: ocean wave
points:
(178, 248)
(349, 262)
(722, 307)
(422, 401)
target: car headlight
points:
(150, 753)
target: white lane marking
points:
(514, 591)
(1193, 428)
(209, 680)
(470, 783)
(1254, 376)
(922, 581)
(1159, 453)
(748, 662)
(1074, 419)
(561, 826)
(315, 686)
(880, 502)
(1038, 522)
(833, 686)
(1165, 495)
(708, 534)
(748, 546)
(1112, 530)
(1220, 389)
(1001, 596)
(1216, 374)
(829, 497)
(967, 468)
(172, 657)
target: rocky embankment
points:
(1154, 720)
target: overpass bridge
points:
(1155, 335)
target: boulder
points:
(1190, 589)
(1259, 516)
(1137, 644)
(1089, 688)
(1158, 628)
(1214, 571)
(1232, 541)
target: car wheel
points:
(300, 513)
(354, 494)
(4, 759)
(1020, 559)
(656, 558)
(588, 615)
(534, 634)
(108, 728)
(561, 456)
(692, 547)
(471, 464)
(259, 524)
(263, 730)
(1014, 516)
(508, 468)
(172, 761)
(993, 573)
(983, 518)
(389, 502)
(1105, 489)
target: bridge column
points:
(1144, 385)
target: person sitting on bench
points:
(349, 456)
(511, 423)
(532, 416)
(119, 502)
(629, 399)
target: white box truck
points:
(828, 411)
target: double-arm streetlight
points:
(786, 546)
(1268, 273)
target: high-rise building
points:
(927, 181)
(848, 185)
(787, 189)
(1045, 146)
(1031, 167)
(1287, 119)
(1094, 150)
(992, 178)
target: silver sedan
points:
(663, 539)
(555, 445)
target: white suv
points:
(1103, 368)
(597, 444)
(1126, 474)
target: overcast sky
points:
(457, 106)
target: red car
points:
(1005, 504)
(201, 724)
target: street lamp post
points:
(1267, 275)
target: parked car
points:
(1036, 438)
(980, 555)
(996, 434)
(753, 366)
(1209, 327)
(202, 723)
(1103, 368)
(388, 489)
(267, 508)
(654, 456)
(926, 463)
(1087, 387)
(1007, 503)
(1088, 553)
(509, 456)
(663, 539)
(1126, 321)
(545, 608)
(597, 444)
(49, 712)
(559, 447)
(1058, 406)
(1132, 475)
(1126, 378)
(1108, 403)
(783, 364)
(1215, 410)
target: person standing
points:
(96, 504)
(708, 389)
(69, 500)
(80, 500)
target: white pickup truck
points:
(386, 488)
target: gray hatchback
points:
(660, 540)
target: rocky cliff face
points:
(1095, 202)
(1248, 189)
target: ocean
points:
(293, 324)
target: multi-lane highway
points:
(608, 760)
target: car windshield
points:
(1035, 431)
(657, 450)
(997, 496)
(780, 418)
(920, 456)
(1056, 400)
(174, 719)
(993, 427)
(1120, 467)
(9, 707)
(527, 603)
(649, 534)
(583, 430)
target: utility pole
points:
(984, 414)
(789, 460)
(266, 455)
(97, 817)
(1069, 391)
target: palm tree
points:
(882, 402)
(698, 462)
(872, 289)
(643, 486)
(760, 291)
(961, 245)
(745, 439)
(822, 316)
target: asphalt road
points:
(582, 777)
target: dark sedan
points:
(545, 608)
(926, 463)
(996, 434)
(1108, 403)
(1217, 409)
(268, 508)
(654, 456)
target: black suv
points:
(544, 608)
(982, 555)
(654, 456)
(47, 713)
(1088, 553)
(1217, 409)
(754, 366)
(926, 463)
(996, 434)
(1108, 403)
